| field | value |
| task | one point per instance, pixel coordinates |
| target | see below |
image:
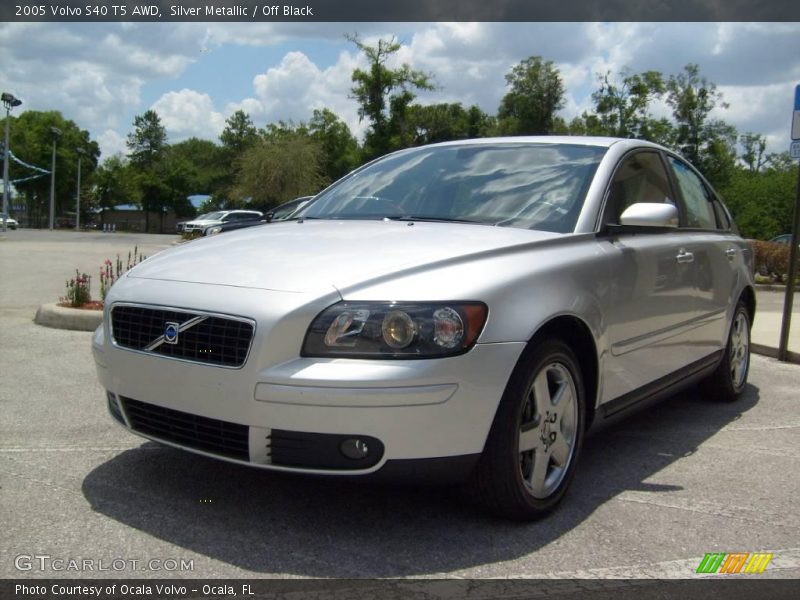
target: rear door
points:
(718, 256)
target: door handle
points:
(684, 257)
(730, 253)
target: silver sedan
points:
(462, 312)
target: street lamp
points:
(9, 101)
(56, 133)
(81, 152)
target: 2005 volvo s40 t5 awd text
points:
(462, 312)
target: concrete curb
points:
(60, 317)
(773, 287)
(792, 357)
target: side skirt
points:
(657, 390)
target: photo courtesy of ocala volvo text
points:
(460, 313)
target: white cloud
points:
(93, 73)
(99, 74)
(296, 86)
(111, 143)
(188, 113)
(764, 109)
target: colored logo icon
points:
(171, 331)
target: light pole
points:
(80, 152)
(56, 132)
(9, 101)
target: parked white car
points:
(10, 222)
(458, 312)
(220, 217)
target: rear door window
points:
(696, 196)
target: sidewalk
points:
(767, 325)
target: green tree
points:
(623, 103)
(718, 158)
(147, 142)
(692, 98)
(31, 141)
(114, 183)
(203, 163)
(147, 145)
(239, 133)
(180, 177)
(384, 95)
(536, 93)
(339, 146)
(279, 167)
(584, 124)
(754, 148)
(443, 122)
(762, 201)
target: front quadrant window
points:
(640, 178)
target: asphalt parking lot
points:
(652, 496)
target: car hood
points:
(304, 256)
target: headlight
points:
(395, 329)
(214, 230)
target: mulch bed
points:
(92, 305)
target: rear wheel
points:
(533, 446)
(728, 381)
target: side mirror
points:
(650, 214)
(269, 216)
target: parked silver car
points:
(458, 312)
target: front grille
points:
(208, 339)
(201, 433)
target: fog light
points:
(354, 448)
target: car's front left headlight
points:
(395, 329)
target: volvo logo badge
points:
(171, 330)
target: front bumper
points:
(405, 410)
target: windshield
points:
(525, 185)
(214, 216)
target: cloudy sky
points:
(196, 74)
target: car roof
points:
(575, 140)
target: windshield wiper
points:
(427, 219)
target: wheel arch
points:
(578, 336)
(748, 296)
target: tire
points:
(729, 379)
(533, 446)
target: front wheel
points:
(533, 446)
(727, 382)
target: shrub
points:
(110, 272)
(191, 235)
(771, 259)
(78, 290)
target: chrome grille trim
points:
(199, 317)
(189, 324)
